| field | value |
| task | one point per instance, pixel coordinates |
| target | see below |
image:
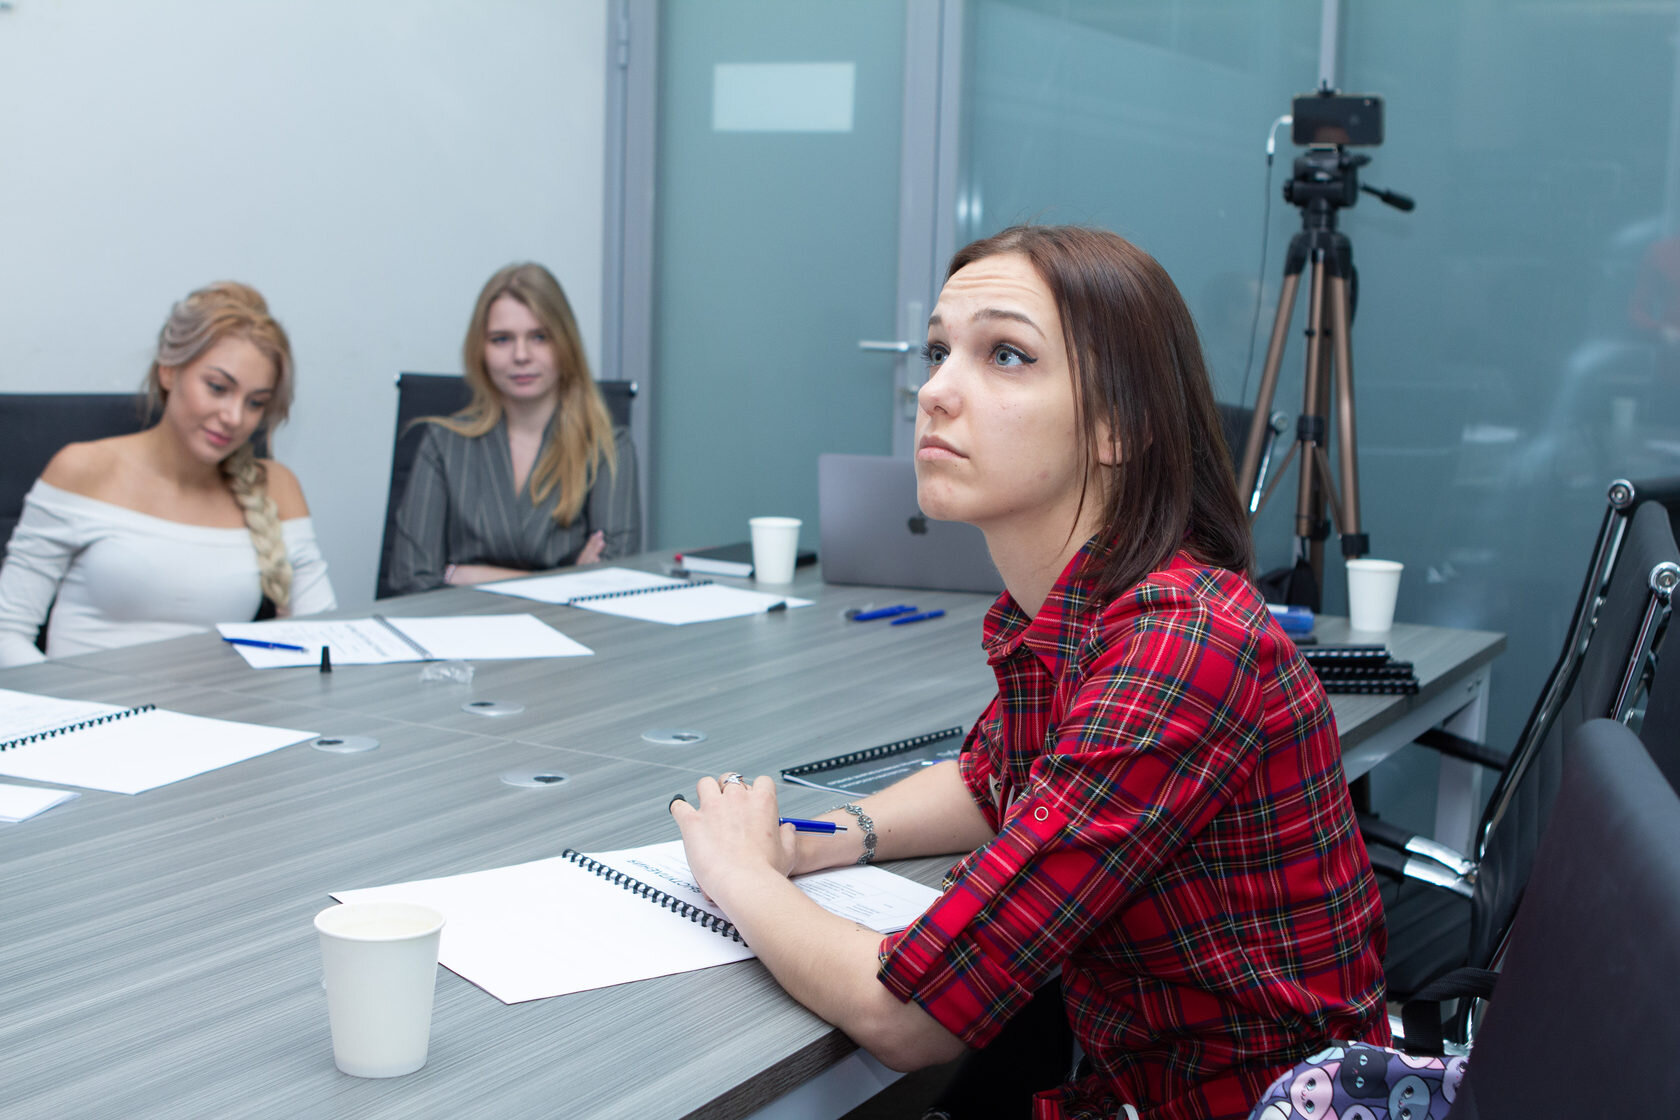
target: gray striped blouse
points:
(461, 507)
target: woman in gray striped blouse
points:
(531, 475)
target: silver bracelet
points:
(868, 827)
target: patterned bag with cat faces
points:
(1359, 1082)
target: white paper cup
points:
(775, 543)
(380, 964)
(1373, 586)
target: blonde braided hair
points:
(248, 479)
(212, 313)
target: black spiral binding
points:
(714, 922)
(1361, 670)
(1346, 655)
(79, 725)
(1394, 670)
(636, 591)
(872, 753)
(1338, 686)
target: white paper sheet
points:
(550, 927)
(369, 641)
(353, 641)
(23, 714)
(19, 803)
(704, 602)
(142, 751)
(490, 637)
(565, 588)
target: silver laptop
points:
(873, 531)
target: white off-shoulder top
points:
(111, 576)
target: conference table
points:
(157, 956)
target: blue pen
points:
(800, 824)
(262, 645)
(881, 612)
(917, 617)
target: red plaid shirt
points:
(1174, 833)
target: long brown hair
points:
(583, 436)
(229, 309)
(1138, 370)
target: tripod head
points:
(1327, 179)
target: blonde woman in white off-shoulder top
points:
(179, 527)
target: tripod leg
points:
(1355, 542)
(1309, 427)
(1325, 505)
(1268, 390)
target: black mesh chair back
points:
(1578, 1025)
(440, 394)
(1605, 683)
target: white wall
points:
(365, 164)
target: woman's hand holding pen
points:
(733, 835)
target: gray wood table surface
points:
(156, 951)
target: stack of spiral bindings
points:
(1360, 669)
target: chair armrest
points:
(1421, 1016)
(1381, 832)
(1398, 865)
(1457, 746)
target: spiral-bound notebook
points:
(868, 771)
(645, 596)
(581, 921)
(121, 750)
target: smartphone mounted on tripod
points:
(1341, 119)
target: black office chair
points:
(1445, 910)
(1234, 420)
(1580, 1023)
(1623, 500)
(440, 394)
(33, 426)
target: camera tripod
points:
(1324, 182)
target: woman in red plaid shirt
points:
(1153, 805)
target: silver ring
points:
(732, 779)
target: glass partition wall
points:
(1516, 340)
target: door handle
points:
(899, 347)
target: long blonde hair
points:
(222, 310)
(583, 437)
